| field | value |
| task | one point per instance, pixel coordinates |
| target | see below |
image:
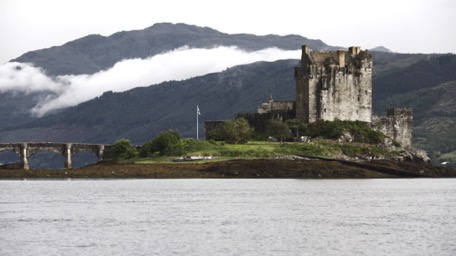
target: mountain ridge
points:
(94, 53)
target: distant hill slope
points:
(141, 113)
(93, 53)
(380, 49)
(434, 112)
(396, 74)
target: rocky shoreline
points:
(315, 168)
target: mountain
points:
(93, 53)
(380, 49)
(139, 114)
(414, 72)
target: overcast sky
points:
(424, 26)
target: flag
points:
(198, 110)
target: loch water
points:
(228, 217)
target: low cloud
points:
(182, 63)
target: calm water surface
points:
(228, 217)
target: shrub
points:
(233, 132)
(123, 149)
(360, 131)
(277, 129)
(166, 143)
(325, 129)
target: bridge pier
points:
(24, 157)
(68, 157)
(100, 153)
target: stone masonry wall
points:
(258, 121)
(334, 85)
(397, 124)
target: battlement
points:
(400, 112)
(346, 61)
(272, 105)
(354, 50)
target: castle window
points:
(359, 98)
(366, 92)
(324, 110)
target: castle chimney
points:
(341, 58)
(270, 103)
(305, 49)
(354, 50)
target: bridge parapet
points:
(15, 147)
(67, 150)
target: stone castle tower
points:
(334, 85)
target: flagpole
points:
(197, 123)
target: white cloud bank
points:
(182, 63)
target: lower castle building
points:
(397, 124)
(333, 85)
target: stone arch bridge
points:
(67, 150)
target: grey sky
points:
(424, 26)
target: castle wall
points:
(282, 105)
(397, 124)
(276, 106)
(258, 121)
(334, 85)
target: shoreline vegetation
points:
(319, 159)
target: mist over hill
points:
(139, 114)
(63, 76)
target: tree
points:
(233, 132)
(166, 143)
(298, 126)
(123, 149)
(277, 129)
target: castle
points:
(334, 85)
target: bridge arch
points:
(16, 148)
(46, 160)
(84, 158)
(34, 148)
(67, 150)
(9, 158)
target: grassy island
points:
(256, 159)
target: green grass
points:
(448, 157)
(262, 149)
